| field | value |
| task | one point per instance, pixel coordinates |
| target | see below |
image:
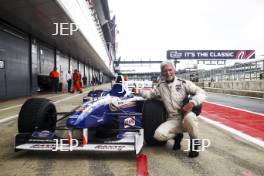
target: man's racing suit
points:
(172, 94)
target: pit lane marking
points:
(239, 134)
(234, 108)
(242, 96)
(142, 165)
(7, 119)
(19, 105)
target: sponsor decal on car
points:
(112, 107)
(110, 147)
(43, 146)
(128, 105)
(40, 140)
(74, 116)
(129, 122)
(43, 134)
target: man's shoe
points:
(193, 154)
(177, 143)
(194, 144)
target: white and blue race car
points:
(108, 120)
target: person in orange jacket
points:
(54, 76)
(76, 81)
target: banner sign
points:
(211, 54)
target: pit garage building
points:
(29, 50)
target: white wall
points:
(80, 14)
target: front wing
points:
(131, 141)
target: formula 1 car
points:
(108, 120)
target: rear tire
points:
(37, 114)
(154, 114)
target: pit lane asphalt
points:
(225, 156)
(241, 102)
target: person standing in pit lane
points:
(76, 81)
(54, 76)
(69, 80)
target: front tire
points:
(154, 114)
(37, 114)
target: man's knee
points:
(168, 130)
(190, 118)
(164, 134)
(160, 136)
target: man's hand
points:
(135, 90)
(187, 108)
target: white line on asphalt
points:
(235, 132)
(15, 116)
(235, 108)
(55, 102)
(10, 107)
(7, 119)
(242, 96)
(15, 106)
(57, 96)
(256, 98)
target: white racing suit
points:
(172, 95)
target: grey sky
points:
(148, 28)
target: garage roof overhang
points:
(38, 17)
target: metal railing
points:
(245, 71)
